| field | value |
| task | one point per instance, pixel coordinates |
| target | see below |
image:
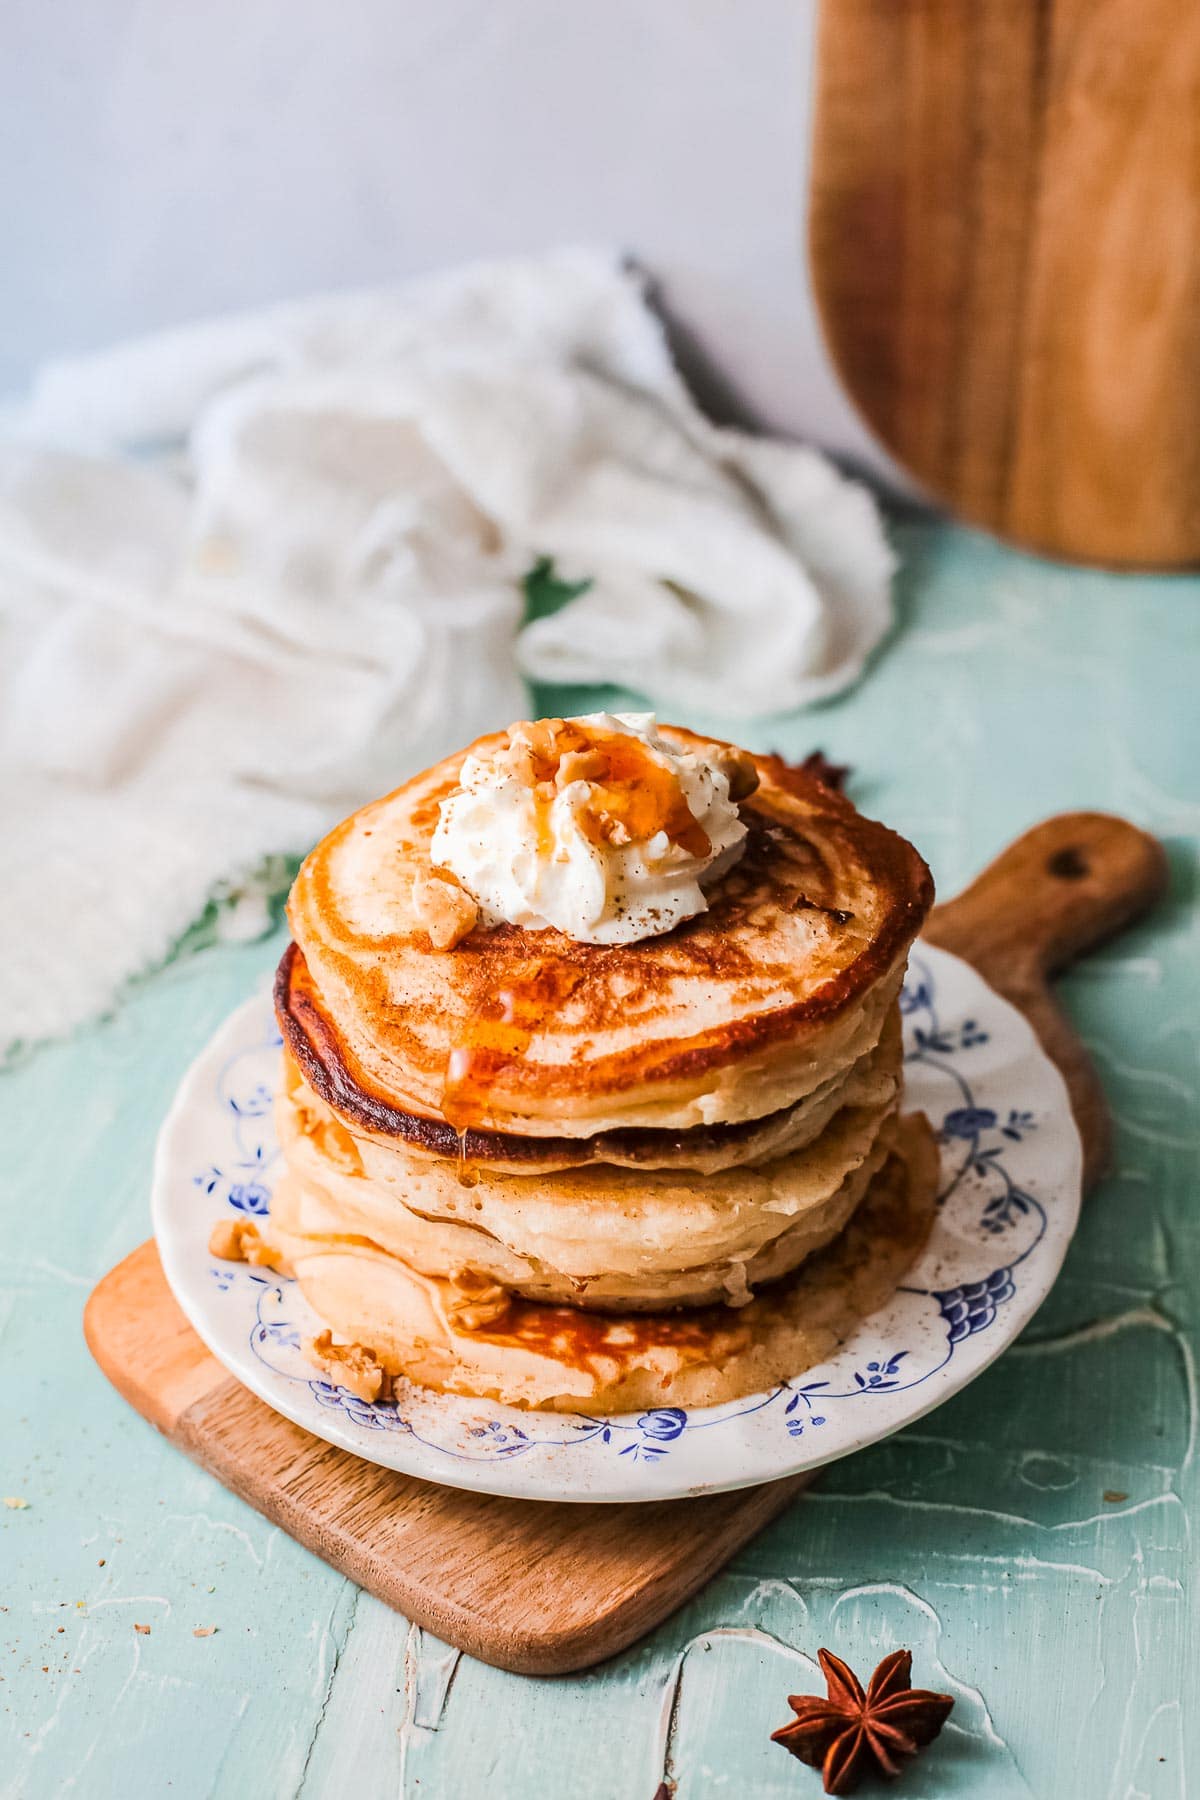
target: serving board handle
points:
(1060, 890)
(543, 1589)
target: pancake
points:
(561, 1359)
(735, 1015)
(312, 1056)
(602, 1236)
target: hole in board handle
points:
(1068, 864)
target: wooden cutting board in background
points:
(529, 1585)
(1005, 250)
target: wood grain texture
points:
(1059, 891)
(539, 1588)
(529, 1586)
(1005, 249)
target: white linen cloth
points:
(255, 571)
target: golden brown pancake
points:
(562, 1359)
(311, 1055)
(597, 1237)
(734, 1015)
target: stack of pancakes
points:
(601, 1177)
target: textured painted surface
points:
(1030, 1541)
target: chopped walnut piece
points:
(581, 765)
(739, 770)
(237, 1240)
(476, 1300)
(225, 1239)
(612, 831)
(535, 748)
(351, 1366)
(444, 908)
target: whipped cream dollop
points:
(596, 826)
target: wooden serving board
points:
(1005, 250)
(542, 1588)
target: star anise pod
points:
(834, 775)
(851, 1732)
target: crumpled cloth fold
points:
(254, 571)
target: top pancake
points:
(730, 1016)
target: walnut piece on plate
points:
(238, 1240)
(351, 1366)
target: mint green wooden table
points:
(1030, 1541)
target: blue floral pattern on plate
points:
(1007, 1206)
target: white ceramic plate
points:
(1010, 1192)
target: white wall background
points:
(165, 159)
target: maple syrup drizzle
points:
(496, 1033)
(635, 794)
(468, 1174)
(643, 797)
(577, 1337)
